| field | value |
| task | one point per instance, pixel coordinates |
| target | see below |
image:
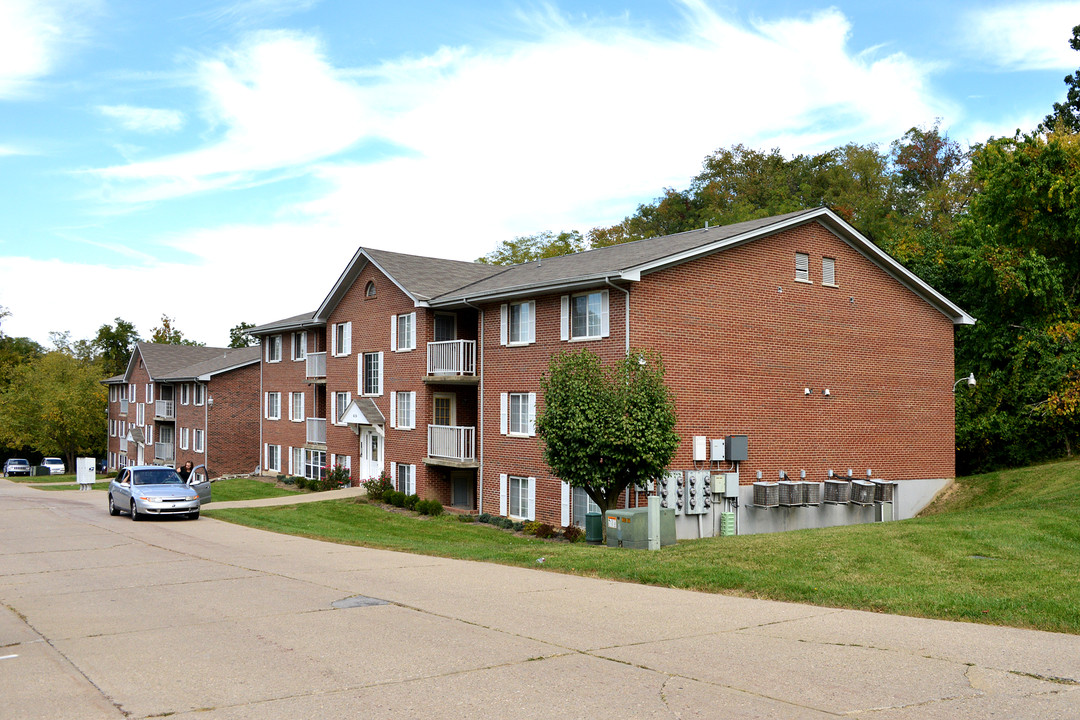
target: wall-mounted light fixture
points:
(806, 391)
(210, 401)
(970, 380)
(826, 392)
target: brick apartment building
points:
(177, 403)
(794, 331)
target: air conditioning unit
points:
(837, 492)
(766, 494)
(883, 491)
(790, 493)
(862, 492)
(811, 492)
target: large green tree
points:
(239, 337)
(166, 334)
(1066, 115)
(535, 247)
(605, 428)
(115, 343)
(56, 405)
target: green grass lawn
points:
(245, 489)
(43, 479)
(1003, 548)
(73, 486)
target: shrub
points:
(434, 508)
(572, 533)
(531, 527)
(518, 526)
(410, 501)
(544, 530)
(484, 517)
(301, 483)
(466, 518)
(395, 498)
(286, 480)
(503, 522)
(378, 487)
(281, 477)
(336, 477)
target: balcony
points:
(164, 452)
(123, 407)
(451, 361)
(451, 446)
(316, 366)
(164, 410)
(316, 431)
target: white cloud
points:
(143, 119)
(1031, 36)
(33, 34)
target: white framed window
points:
(369, 289)
(131, 392)
(185, 434)
(200, 394)
(371, 373)
(185, 394)
(273, 458)
(150, 392)
(403, 410)
(338, 402)
(296, 406)
(273, 405)
(273, 349)
(149, 434)
(296, 461)
(406, 478)
(299, 345)
(200, 440)
(517, 497)
(342, 338)
(582, 504)
(445, 328)
(444, 409)
(140, 414)
(517, 414)
(518, 323)
(802, 267)
(112, 393)
(828, 271)
(403, 332)
(314, 464)
(585, 316)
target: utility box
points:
(84, 472)
(718, 450)
(727, 524)
(726, 484)
(630, 528)
(40, 470)
(737, 448)
(699, 448)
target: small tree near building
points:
(604, 429)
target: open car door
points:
(199, 480)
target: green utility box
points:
(594, 528)
(727, 523)
(630, 528)
(40, 470)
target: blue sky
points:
(219, 162)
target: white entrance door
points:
(140, 458)
(371, 454)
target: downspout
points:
(206, 425)
(260, 416)
(626, 315)
(480, 403)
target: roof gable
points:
(173, 362)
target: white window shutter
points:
(532, 498)
(290, 461)
(348, 337)
(564, 518)
(266, 405)
(393, 475)
(393, 333)
(412, 326)
(532, 414)
(504, 317)
(504, 401)
(333, 409)
(502, 494)
(291, 416)
(266, 457)
(604, 331)
(359, 373)
(532, 320)
(333, 339)
(380, 374)
(393, 409)
(564, 325)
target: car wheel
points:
(113, 510)
(135, 512)
(193, 516)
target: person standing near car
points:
(185, 471)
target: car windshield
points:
(17, 462)
(164, 476)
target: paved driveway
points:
(106, 618)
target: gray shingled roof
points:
(296, 321)
(186, 362)
(227, 359)
(426, 277)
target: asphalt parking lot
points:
(106, 618)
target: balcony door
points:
(445, 410)
(445, 327)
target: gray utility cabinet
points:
(630, 528)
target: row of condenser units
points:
(800, 493)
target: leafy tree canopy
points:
(1066, 115)
(534, 247)
(115, 343)
(239, 337)
(166, 334)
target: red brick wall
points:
(232, 437)
(286, 376)
(191, 417)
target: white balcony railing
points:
(316, 430)
(123, 407)
(164, 409)
(451, 357)
(164, 452)
(316, 365)
(452, 442)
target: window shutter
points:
(393, 475)
(333, 339)
(291, 411)
(564, 326)
(532, 320)
(393, 333)
(802, 266)
(380, 375)
(266, 405)
(564, 518)
(359, 373)
(266, 457)
(502, 494)
(393, 409)
(532, 498)
(828, 271)
(348, 337)
(333, 409)
(504, 401)
(412, 330)
(604, 299)
(532, 414)
(504, 317)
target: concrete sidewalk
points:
(205, 619)
(349, 492)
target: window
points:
(521, 497)
(340, 401)
(585, 316)
(273, 458)
(149, 434)
(296, 461)
(406, 479)
(444, 409)
(342, 338)
(140, 414)
(371, 381)
(273, 348)
(131, 392)
(273, 406)
(296, 406)
(112, 393)
(802, 267)
(184, 437)
(369, 289)
(403, 410)
(200, 394)
(518, 323)
(374, 448)
(314, 464)
(112, 428)
(299, 345)
(403, 332)
(149, 392)
(185, 394)
(445, 327)
(517, 414)
(200, 440)
(828, 271)
(582, 504)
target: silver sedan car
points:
(145, 490)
